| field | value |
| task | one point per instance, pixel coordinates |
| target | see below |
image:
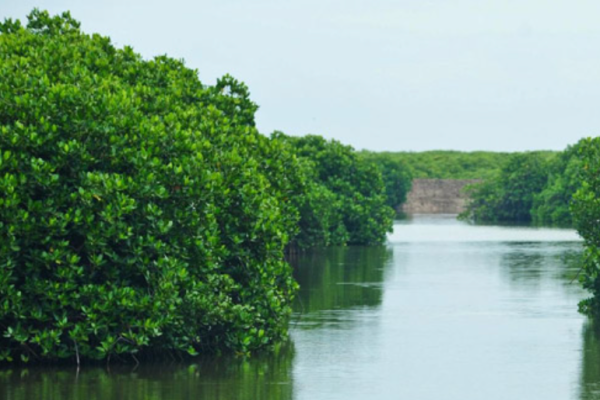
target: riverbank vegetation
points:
(586, 214)
(396, 174)
(143, 214)
(529, 187)
(508, 195)
(344, 201)
(449, 164)
(552, 205)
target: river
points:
(446, 310)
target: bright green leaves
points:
(585, 208)
(509, 196)
(342, 198)
(42, 23)
(396, 175)
(534, 186)
(140, 211)
(552, 204)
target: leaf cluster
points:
(552, 205)
(450, 164)
(509, 195)
(344, 197)
(396, 174)
(585, 209)
(534, 186)
(140, 211)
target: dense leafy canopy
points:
(139, 209)
(397, 177)
(344, 201)
(586, 217)
(447, 164)
(535, 186)
(552, 205)
(509, 196)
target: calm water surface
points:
(444, 311)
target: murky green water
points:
(444, 311)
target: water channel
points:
(445, 310)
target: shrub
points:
(552, 205)
(140, 211)
(345, 199)
(396, 175)
(508, 197)
(586, 214)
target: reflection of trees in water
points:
(528, 263)
(590, 362)
(340, 278)
(523, 262)
(573, 261)
(266, 376)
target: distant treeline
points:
(528, 187)
(448, 164)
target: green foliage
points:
(586, 214)
(139, 210)
(536, 186)
(552, 205)
(396, 175)
(446, 164)
(509, 196)
(449, 164)
(344, 200)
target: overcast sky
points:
(500, 75)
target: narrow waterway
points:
(445, 310)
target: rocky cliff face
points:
(437, 196)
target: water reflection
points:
(339, 279)
(524, 262)
(337, 323)
(590, 362)
(267, 376)
(536, 263)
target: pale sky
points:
(500, 75)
